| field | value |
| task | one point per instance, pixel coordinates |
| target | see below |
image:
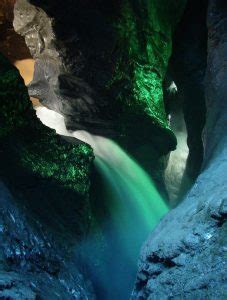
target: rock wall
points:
(10, 40)
(185, 256)
(45, 209)
(32, 263)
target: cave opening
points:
(13, 45)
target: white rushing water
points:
(175, 171)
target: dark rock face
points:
(185, 255)
(44, 201)
(10, 40)
(188, 67)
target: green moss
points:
(50, 157)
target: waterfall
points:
(133, 208)
(175, 172)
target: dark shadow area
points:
(187, 68)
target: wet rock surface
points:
(33, 265)
(185, 257)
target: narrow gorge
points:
(113, 135)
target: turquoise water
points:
(133, 208)
(135, 205)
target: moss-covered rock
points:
(45, 205)
(40, 150)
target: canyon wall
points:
(185, 256)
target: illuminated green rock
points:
(37, 148)
(144, 33)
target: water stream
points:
(132, 209)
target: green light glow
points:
(65, 163)
(144, 30)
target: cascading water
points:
(175, 176)
(133, 207)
